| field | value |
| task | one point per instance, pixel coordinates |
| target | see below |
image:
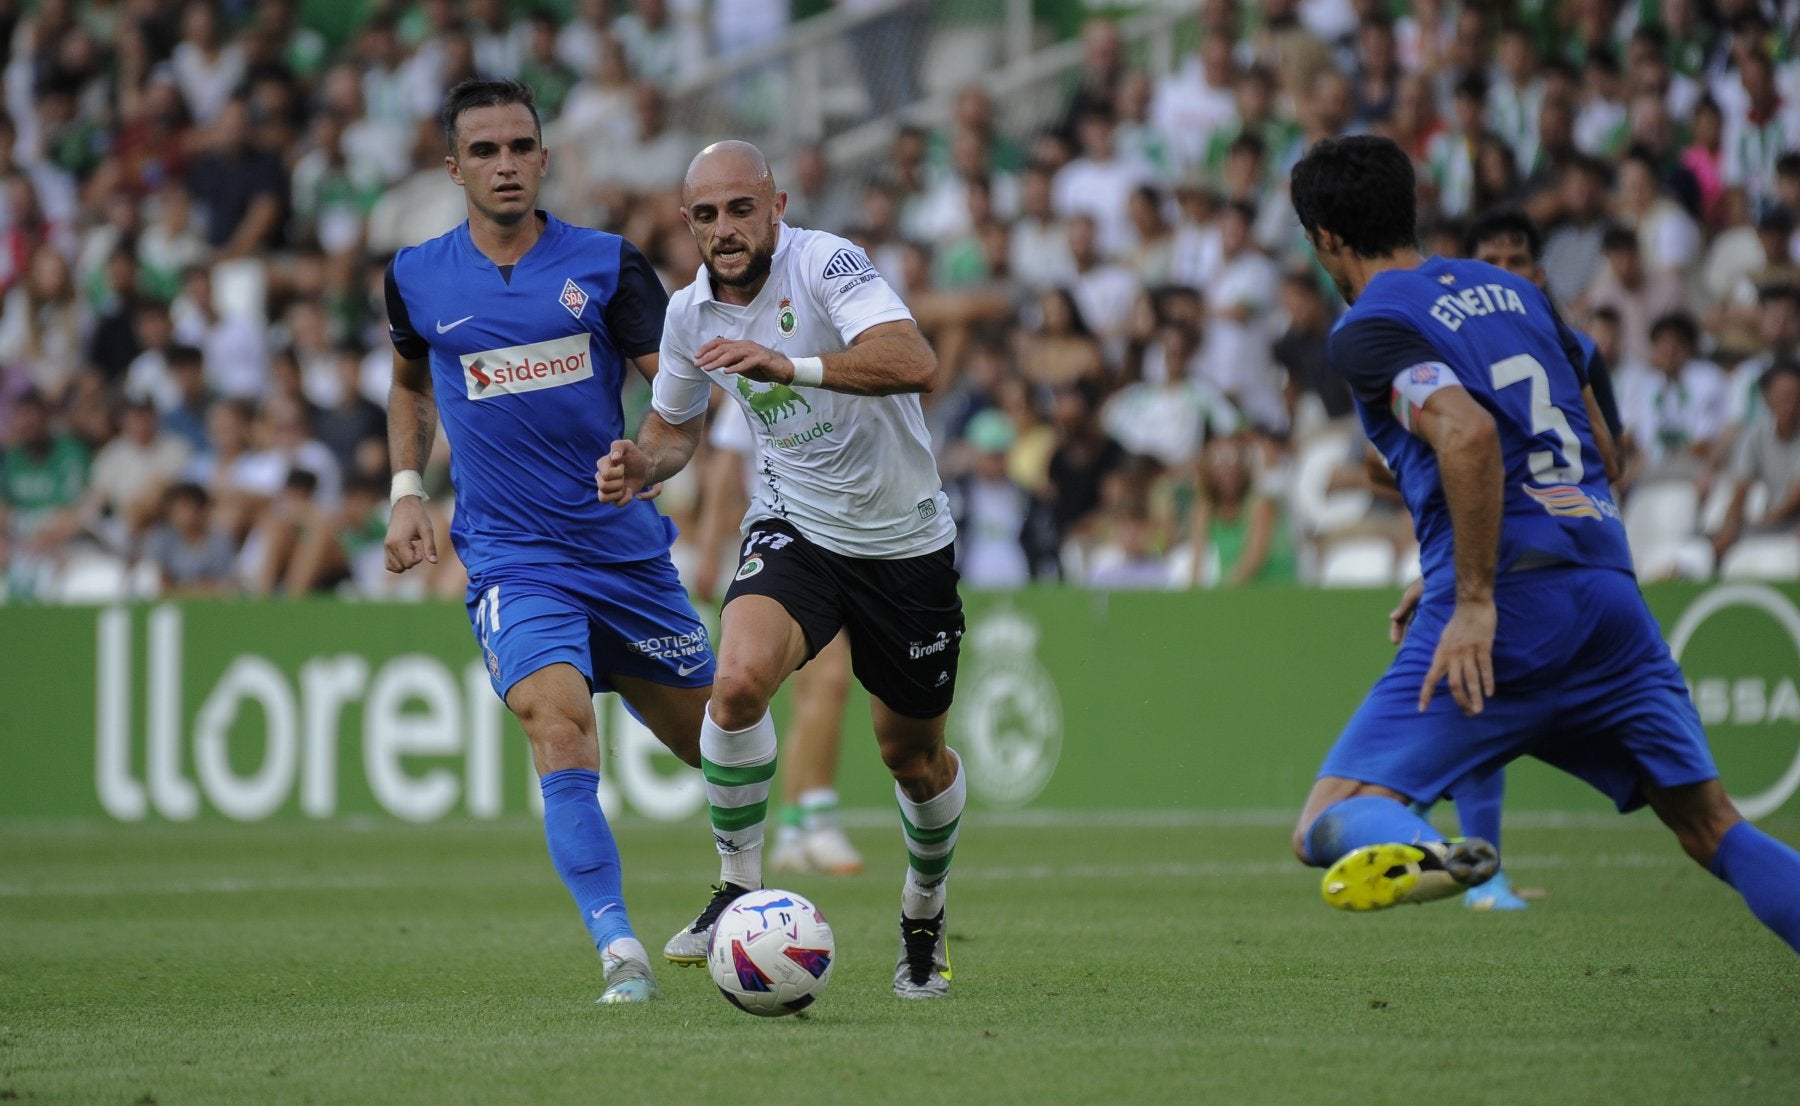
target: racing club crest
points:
(785, 319)
(573, 297)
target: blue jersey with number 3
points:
(1452, 323)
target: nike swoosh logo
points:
(445, 328)
(689, 669)
(600, 912)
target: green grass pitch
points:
(1178, 960)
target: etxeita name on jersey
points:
(528, 368)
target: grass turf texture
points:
(1094, 963)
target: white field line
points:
(964, 876)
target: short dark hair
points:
(1679, 322)
(1472, 85)
(1504, 222)
(1783, 366)
(181, 354)
(1778, 290)
(1360, 188)
(1250, 143)
(480, 92)
(188, 490)
(1618, 238)
(1644, 156)
(1788, 164)
(1602, 58)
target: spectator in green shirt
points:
(42, 476)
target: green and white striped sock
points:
(738, 767)
(930, 832)
(817, 807)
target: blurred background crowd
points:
(1086, 211)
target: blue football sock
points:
(1478, 800)
(583, 852)
(1363, 820)
(1767, 873)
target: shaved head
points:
(731, 161)
(734, 211)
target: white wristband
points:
(406, 482)
(809, 372)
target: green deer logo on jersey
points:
(774, 404)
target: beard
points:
(755, 268)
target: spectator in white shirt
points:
(1239, 334)
(1638, 293)
(1104, 290)
(1767, 453)
(1099, 182)
(1040, 240)
(1197, 100)
(499, 39)
(1674, 409)
(1666, 233)
(1758, 130)
(207, 68)
(126, 484)
(235, 345)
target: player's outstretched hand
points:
(411, 537)
(742, 357)
(619, 476)
(1401, 616)
(1465, 656)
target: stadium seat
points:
(1718, 503)
(1771, 557)
(1181, 567)
(1659, 519)
(90, 577)
(1358, 563)
(1316, 509)
(1407, 568)
(1688, 559)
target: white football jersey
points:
(855, 474)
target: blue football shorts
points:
(1582, 680)
(630, 619)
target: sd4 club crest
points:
(785, 319)
(573, 297)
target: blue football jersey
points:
(1451, 322)
(527, 367)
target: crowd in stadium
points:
(198, 202)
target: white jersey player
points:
(848, 528)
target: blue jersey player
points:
(1472, 389)
(1507, 238)
(514, 329)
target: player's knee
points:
(915, 761)
(1298, 842)
(739, 699)
(1700, 815)
(559, 742)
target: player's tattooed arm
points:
(412, 424)
(886, 359)
(412, 414)
(634, 469)
(1467, 444)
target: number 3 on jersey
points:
(1546, 418)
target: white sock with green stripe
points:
(738, 766)
(930, 832)
(818, 807)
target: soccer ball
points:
(771, 953)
